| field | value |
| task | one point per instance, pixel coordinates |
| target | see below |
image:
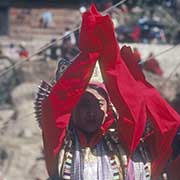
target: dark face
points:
(89, 113)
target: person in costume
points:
(84, 138)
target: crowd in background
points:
(146, 26)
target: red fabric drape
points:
(163, 117)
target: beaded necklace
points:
(117, 157)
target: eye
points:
(101, 103)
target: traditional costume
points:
(120, 153)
